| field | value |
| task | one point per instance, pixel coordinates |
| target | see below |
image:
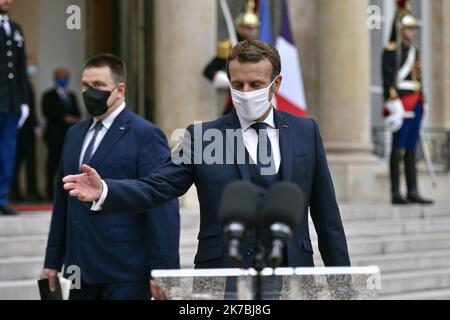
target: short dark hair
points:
(115, 64)
(255, 51)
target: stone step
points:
(395, 244)
(23, 246)
(371, 246)
(415, 281)
(398, 262)
(374, 229)
(25, 224)
(352, 213)
(20, 268)
(382, 228)
(421, 295)
(19, 290)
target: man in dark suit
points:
(13, 98)
(115, 254)
(295, 152)
(60, 109)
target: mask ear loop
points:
(273, 93)
(117, 98)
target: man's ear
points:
(122, 88)
(277, 84)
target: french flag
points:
(291, 97)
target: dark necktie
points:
(90, 149)
(264, 150)
(2, 28)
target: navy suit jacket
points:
(119, 248)
(303, 163)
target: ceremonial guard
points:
(247, 28)
(405, 103)
(13, 98)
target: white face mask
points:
(252, 105)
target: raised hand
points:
(86, 187)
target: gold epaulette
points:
(393, 95)
(391, 46)
(224, 49)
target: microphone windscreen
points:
(239, 203)
(284, 204)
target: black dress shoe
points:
(398, 200)
(416, 198)
(15, 198)
(5, 211)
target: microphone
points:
(239, 206)
(281, 216)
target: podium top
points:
(201, 273)
(284, 283)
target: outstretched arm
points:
(168, 182)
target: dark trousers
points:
(26, 154)
(54, 150)
(8, 142)
(406, 139)
(115, 291)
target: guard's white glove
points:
(221, 81)
(25, 113)
(394, 121)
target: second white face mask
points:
(252, 105)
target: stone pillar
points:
(304, 15)
(344, 99)
(185, 41)
(439, 113)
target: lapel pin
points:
(122, 128)
(285, 126)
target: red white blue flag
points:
(291, 97)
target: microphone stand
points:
(258, 265)
(258, 261)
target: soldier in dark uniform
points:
(26, 147)
(13, 98)
(247, 28)
(405, 104)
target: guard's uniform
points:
(215, 71)
(404, 83)
(13, 95)
(218, 65)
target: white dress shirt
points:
(251, 144)
(6, 24)
(250, 137)
(106, 124)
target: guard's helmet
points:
(408, 21)
(248, 18)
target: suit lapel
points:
(116, 131)
(232, 146)
(286, 145)
(78, 145)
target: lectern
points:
(355, 283)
